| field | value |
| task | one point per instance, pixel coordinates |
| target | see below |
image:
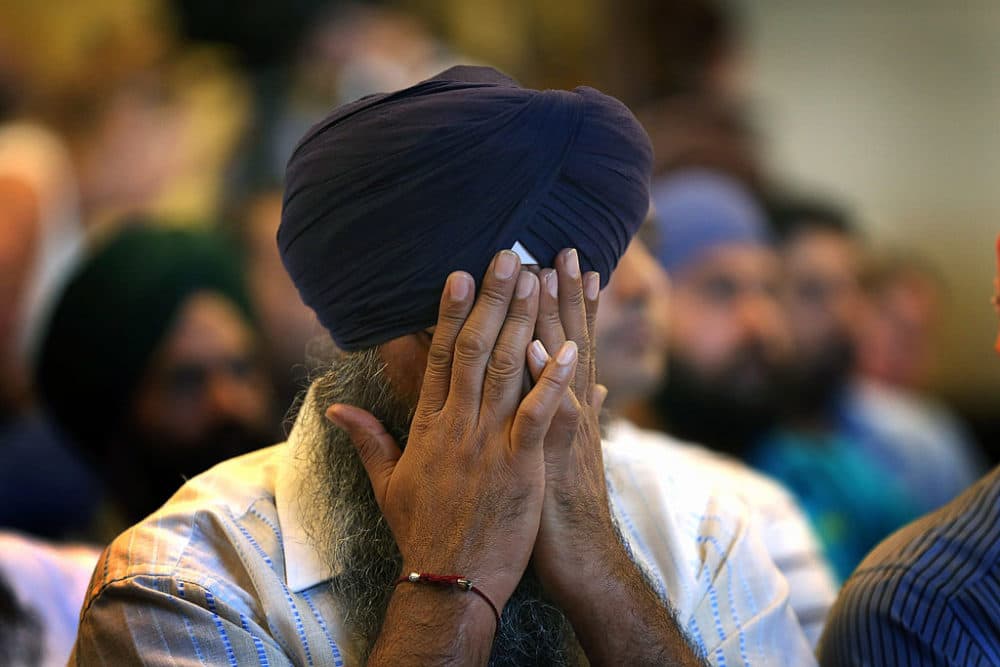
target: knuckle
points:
(551, 386)
(575, 298)
(471, 344)
(438, 356)
(550, 319)
(505, 365)
(532, 419)
(451, 317)
(493, 295)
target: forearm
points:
(619, 619)
(425, 625)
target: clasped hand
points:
(491, 476)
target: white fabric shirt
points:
(49, 581)
(785, 530)
(225, 574)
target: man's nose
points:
(225, 394)
(759, 315)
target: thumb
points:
(597, 398)
(376, 448)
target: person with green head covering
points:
(150, 364)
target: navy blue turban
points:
(389, 194)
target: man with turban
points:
(443, 450)
(728, 338)
(150, 365)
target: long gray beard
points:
(347, 526)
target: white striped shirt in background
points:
(223, 574)
(785, 530)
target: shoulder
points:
(710, 470)
(926, 579)
(218, 524)
(704, 552)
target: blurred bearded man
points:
(151, 365)
(454, 437)
(632, 329)
(728, 339)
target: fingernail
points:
(551, 284)
(538, 353)
(592, 285)
(458, 287)
(525, 285)
(567, 353)
(331, 414)
(573, 264)
(505, 265)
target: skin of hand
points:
(466, 495)
(578, 555)
(576, 521)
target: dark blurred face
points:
(821, 294)
(287, 324)
(18, 244)
(727, 328)
(632, 327)
(205, 382)
(900, 330)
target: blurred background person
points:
(42, 587)
(900, 337)
(151, 364)
(632, 331)
(727, 339)
(946, 566)
(346, 51)
(861, 462)
(287, 326)
(40, 237)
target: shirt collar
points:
(304, 567)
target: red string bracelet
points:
(448, 581)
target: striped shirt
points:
(929, 594)
(786, 531)
(224, 574)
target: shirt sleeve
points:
(157, 620)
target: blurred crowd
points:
(148, 329)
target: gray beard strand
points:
(346, 525)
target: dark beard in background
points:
(345, 523)
(713, 412)
(813, 386)
(150, 467)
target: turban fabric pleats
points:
(389, 194)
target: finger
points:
(534, 415)
(475, 342)
(573, 315)
(591, 296)
(505, 371)
(376, 448)
(538, 356)
(548, 326)
(456, 302)
(598, 397)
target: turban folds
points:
(113, 315)
(389, 194)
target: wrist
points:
(460, 596)
(582, 575)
